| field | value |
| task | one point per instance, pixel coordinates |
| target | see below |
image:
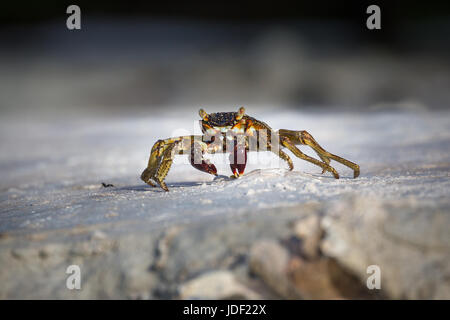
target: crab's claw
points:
(205, 166)
(200, 163)
(238, 160)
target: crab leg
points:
(154, 162)
(304, 138)
(164, 166)
(238, 156)
(160, 161)
(286, 143)
(164, 151)
(286, 158)
(271, 140)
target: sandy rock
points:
(220, 284)
(292, 276)
(324, 278)
(163, 247)
(310, 232)
(313, 279)
(409, 241)
(269, 260)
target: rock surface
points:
(270, 234)
(409, 242)
(216, 285)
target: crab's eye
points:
(240, 113)
(203, 114)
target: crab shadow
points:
(147, 188)
(178, 185)
(174, 185)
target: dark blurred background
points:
(146, 56)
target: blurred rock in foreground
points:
(260, 256)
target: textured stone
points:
(409, 241)
(219, 284)
(310, 232)
(270, 261)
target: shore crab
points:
(235, 133)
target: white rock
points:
(220, 284)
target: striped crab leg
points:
(164, 151)
(290, 138)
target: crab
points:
(235, 133)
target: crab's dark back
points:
(222, 119)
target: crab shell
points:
(214, 124)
